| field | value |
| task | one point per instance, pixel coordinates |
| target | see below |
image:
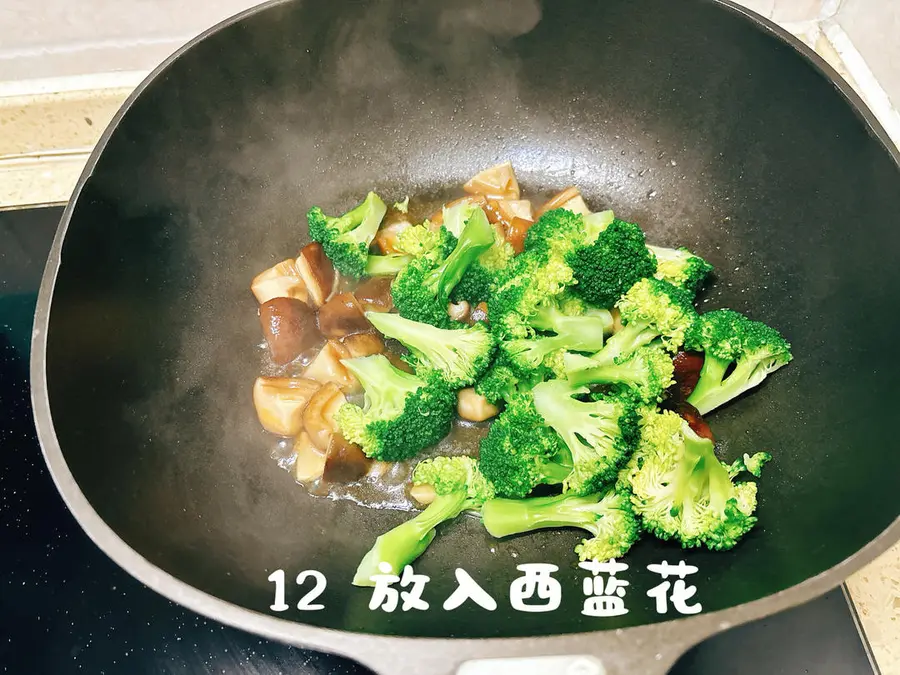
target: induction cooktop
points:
(66, 608)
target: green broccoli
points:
(532, 278)
(456, 216)
(386, 265)
(346, 239)
(680, 490)
(680, 267)
(599, 434)
(752, 464)
(648, 371)
(557, 233)
(650, 309)
(501, 381)
(484, 275)
(728, 338)
(461, 355)
(608, 516)
(616, 260)
(459, 487)
(595, 223)
(402, 413)
(420, 240)
(582, 332)
(421, 291)
(521, 452)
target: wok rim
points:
(664, 641)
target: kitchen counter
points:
(49, 128)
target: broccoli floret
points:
(422, 290)
(420, 240)
(346, 239)
(595, 223)
(648, 371)
(459, 487)
(521, 452)
(386, 265)
(649, 310)
(580, 333)
(612, 264)
(557, 233)
(461, 355)
(727, 337)
(455, 217)
(752, 464)
(402, 413)
(532, 279)
(402, 207)
(680, 490)
(451, 474)
(484, 276)
(608, 516)
(680, 267)
(599, 434)
(501, 381)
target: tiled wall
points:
(874, 28)
(60, 38)
(56, 38)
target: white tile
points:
(763, 7)
(792, 11)
(874, 28)
(53, 38)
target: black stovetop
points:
(66, 608)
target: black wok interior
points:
(682, 115)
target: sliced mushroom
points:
(386, 239)
(343, 315)
(363, 344)
(577, 205)
(290, 328)
(345, 462)
(497, 182)
(516, 232)
(280, 401)
(309, 461)
(317, 271)
(458, 311)
(374, 294)
(423, 494)
(318, 418)
(437, 218)
(399, 363)
(515, 208)
(617, 319)
(326, 367)
(559, 199)
(280, 281)
(474, 407)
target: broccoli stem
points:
(386, 265)
(386, 387)
(607, 373)
(627, 341)
(702, 473)
(476, 238)
(711, 391)
(503, 517)
(368, 215)
(406, 542)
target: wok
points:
(701, 121)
